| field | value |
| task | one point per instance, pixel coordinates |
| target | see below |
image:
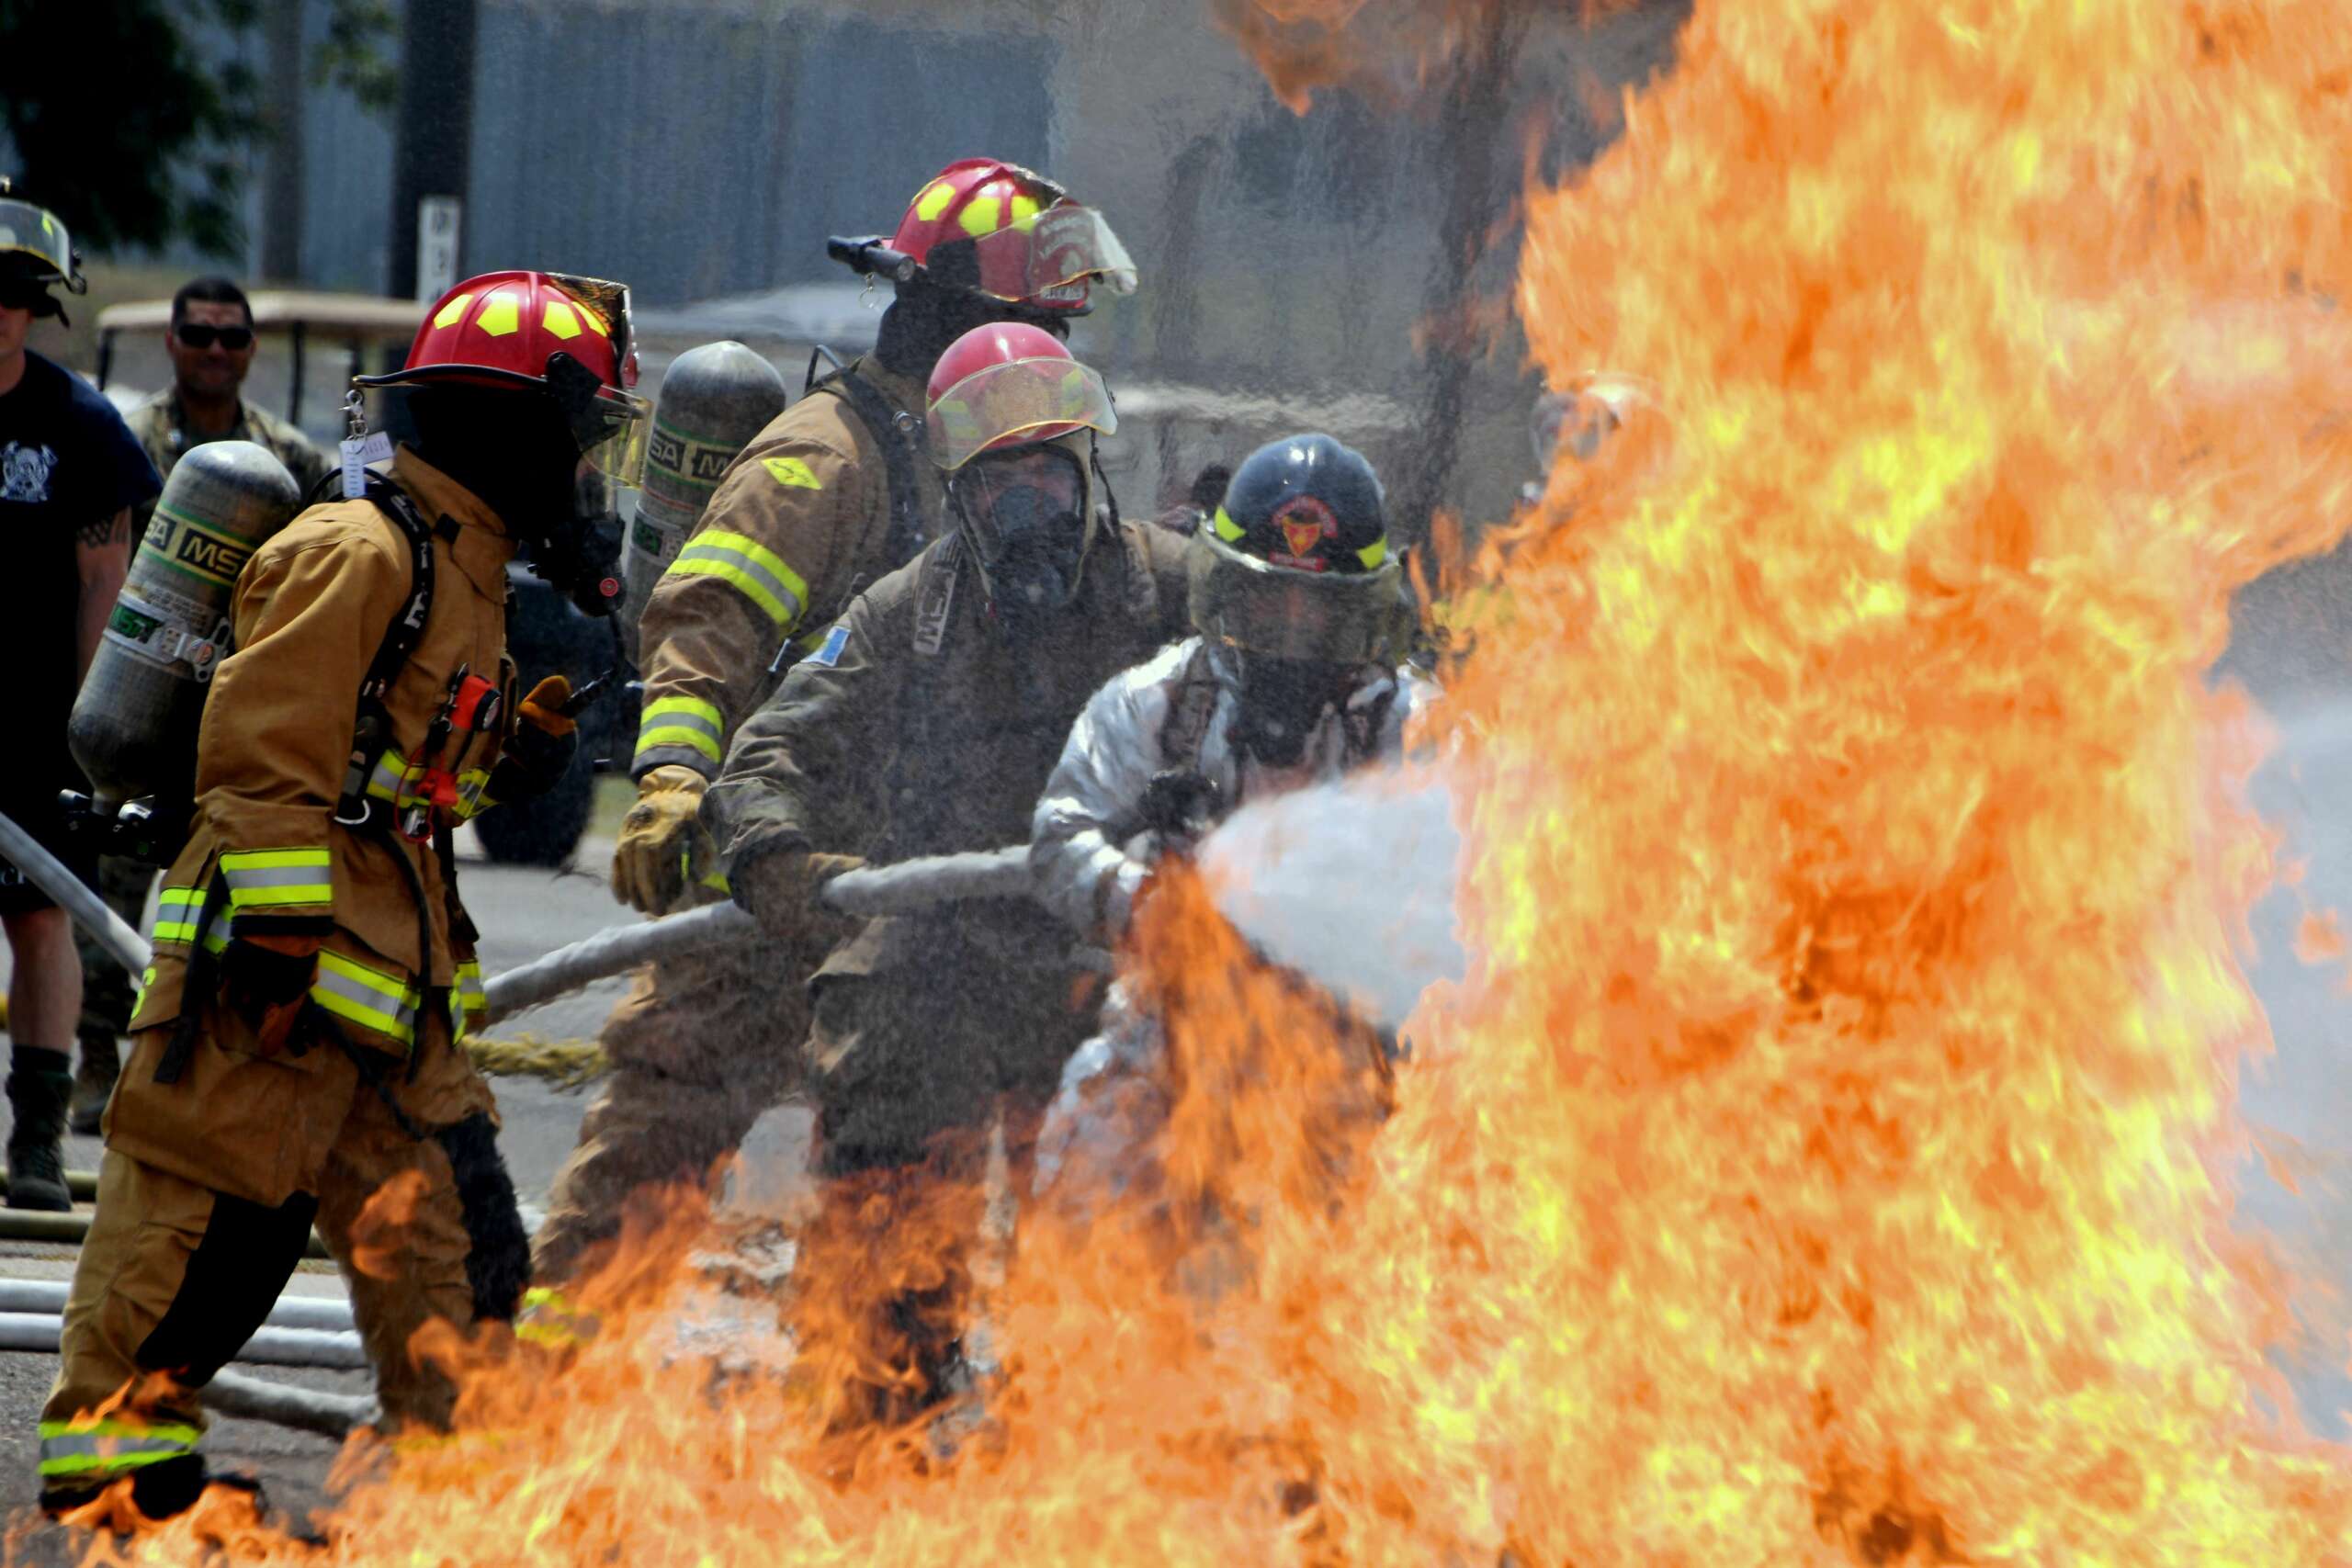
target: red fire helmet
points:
(554, 333)
(1009, 384)
(1012, 235)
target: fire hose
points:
(300, 1331)
(307, 1333)
(904, 889)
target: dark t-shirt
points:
(67, 461)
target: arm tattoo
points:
(114, 530)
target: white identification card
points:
(358, 451)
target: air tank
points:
(712, 400)
(134, 729)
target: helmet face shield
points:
(1036, 399)
(610, 424)
(1051, 258)
(1281, 613)
(625, 420)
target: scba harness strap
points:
(372, 736)
(899, 434)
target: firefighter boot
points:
(36, 1100)
(94, 1080)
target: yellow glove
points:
(657, 837)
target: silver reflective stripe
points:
(381, 1008)
(390, 769)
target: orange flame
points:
(1822, 1160)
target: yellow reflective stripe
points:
(392, 768)
(1373, 554)
(176, 909)
(467, 997)
(682, 720)
(352, 991)
(1227, 528)
(750, 567)
(68, 1449)
(272, 859)
(262, 879)
(549, 1318)
(471, 799)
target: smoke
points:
(1352, 884)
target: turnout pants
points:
(925, 1031)
(700, 1046)
(207, 1195)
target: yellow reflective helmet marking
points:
(1373, 554)
(453, 311)
(560, 319)
(1025, 211)
(1227, 528)
(792, 471)
(500, 314)
(934, 200)
(984, 215)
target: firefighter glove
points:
(266, 979)
(543, 746)
(780, 889)
(658, 838)
(1179, 805)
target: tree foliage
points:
(137, 135)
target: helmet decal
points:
(1303, 522)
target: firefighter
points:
(925, 723)
(295, 1057)
(836, 494)
(1296, 674)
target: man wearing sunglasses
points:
(212, 346)
(70, 476)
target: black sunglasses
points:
(196, 335)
